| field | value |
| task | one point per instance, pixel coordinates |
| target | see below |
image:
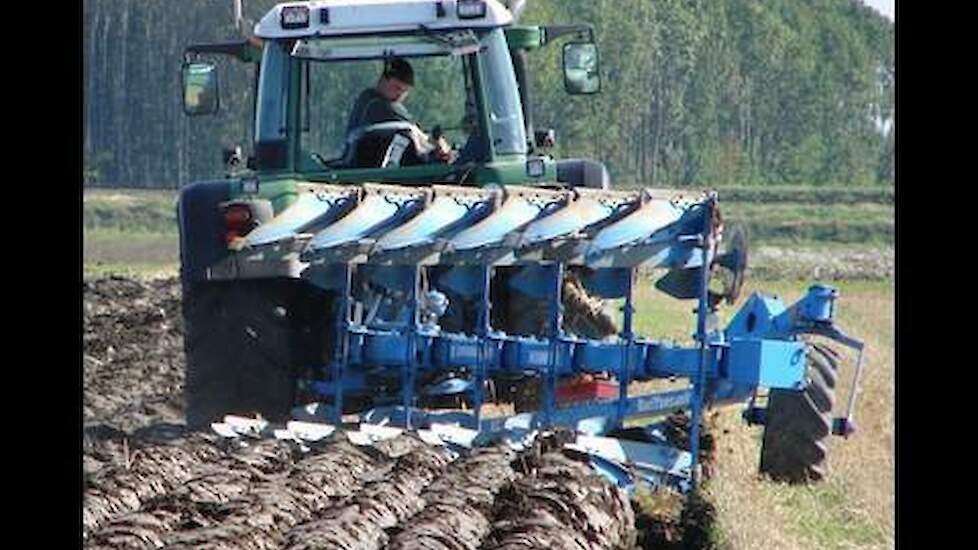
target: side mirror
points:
(582, 70)
(200, 89)
(233, 158)
(545, 138)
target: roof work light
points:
(295, 17)
(471, 9)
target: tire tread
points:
(793, 447)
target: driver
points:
(383, 103)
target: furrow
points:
(561, 503)
(458, 504)
(261, 517)
(149, 472)
(360, 522)
(190, 485)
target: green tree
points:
(694, 92)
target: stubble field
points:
(855, 506)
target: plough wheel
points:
(793, 449)
(237, 341)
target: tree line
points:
(694, 92)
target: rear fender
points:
(201, 228)
(583, 173)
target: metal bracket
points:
(842, 426)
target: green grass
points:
(793, 211)
(865, 223)
(821, 246)
(140, 211)
(131, 270)
(129, 232)
(106, 251)
(829, 520)
(807, 194)
(766, 194)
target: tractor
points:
(343, 273)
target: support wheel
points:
(798, 423)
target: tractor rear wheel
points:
(242, 348)
(798, 422)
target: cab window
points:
(438, 99)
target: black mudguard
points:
(201, 228)
(583, 173)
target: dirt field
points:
(148, 484)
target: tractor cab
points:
(471, 89)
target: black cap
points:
(400, 69)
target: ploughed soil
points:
(149, 483)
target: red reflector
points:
(237, 217)
(586, 390)
(237, 220)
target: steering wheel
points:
(369, 145)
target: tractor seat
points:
(382, 145)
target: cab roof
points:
(345, 17)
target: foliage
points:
(695, 92)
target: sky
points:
(886, 7)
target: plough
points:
(429, 246)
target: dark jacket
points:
(372, 108)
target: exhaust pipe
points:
(245, 26)
(516, 7)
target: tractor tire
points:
(798, 422)
(240, 349)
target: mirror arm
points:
(244, 50)
(552, 32)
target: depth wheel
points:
(798, 422)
